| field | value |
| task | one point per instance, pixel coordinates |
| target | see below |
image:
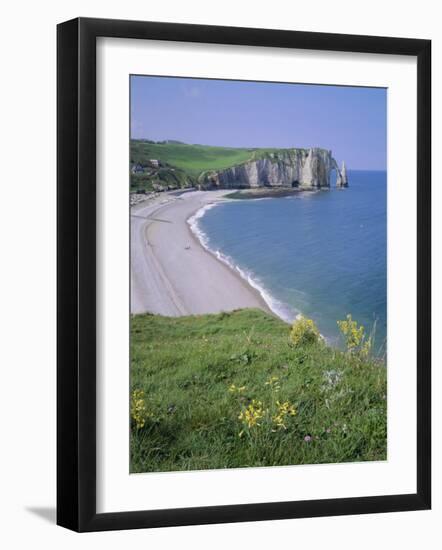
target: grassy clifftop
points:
(194, 159)
(232, 390)
(181, 164)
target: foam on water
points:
(322, 253)
(282, 310)
(194, 225)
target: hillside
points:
(171, 165)
(193, 159)
(233, 390)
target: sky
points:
(351, 121)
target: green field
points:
(194, 159)
(183, 165)
(233, 390)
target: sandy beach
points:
(171, 272)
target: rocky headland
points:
(295, 168)
(166, 166)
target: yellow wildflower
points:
(354, 336)
(285, 410)
(252, 414)
(236, 389)
(273, 382)
(304, 332)
(138, 408)
(366, 348)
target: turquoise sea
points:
(322, 254)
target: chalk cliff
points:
(341, 179)
(303, 168)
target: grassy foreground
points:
(233, 390)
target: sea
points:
(321, 254)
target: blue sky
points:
(350, 121)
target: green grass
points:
(194, 159)
(176, 179)
(186, 365)
(184, 165)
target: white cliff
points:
(341, 179)
(301, 168)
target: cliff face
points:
(342, 179)
(304, 168)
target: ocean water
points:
(320, 254)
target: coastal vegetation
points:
(193, 159)
(168, 165)
(244, 389)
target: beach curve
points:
(172, 273)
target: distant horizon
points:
(349, 121)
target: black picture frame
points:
(77, 287)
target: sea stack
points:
(344, 175)
(341, 177)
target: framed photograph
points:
(243, 274)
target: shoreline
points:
(194, 236)
(247, 279)
(172, 272)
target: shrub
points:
(138, 409)
(354, 336)
(304, 332)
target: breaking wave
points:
(282, 310)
